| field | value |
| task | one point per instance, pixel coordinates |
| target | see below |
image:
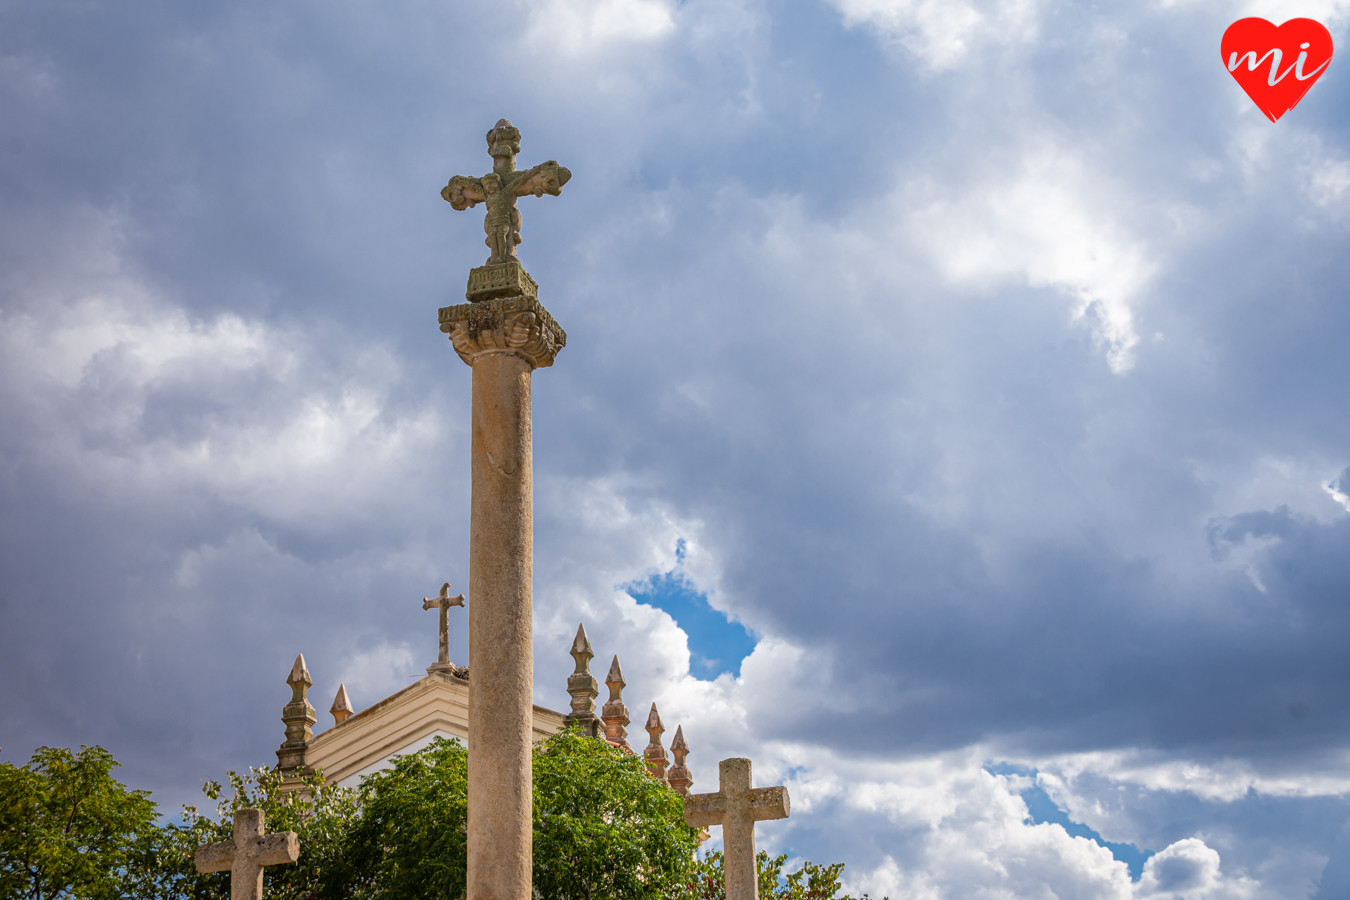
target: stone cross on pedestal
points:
(245, 854)
(737, 807)
(501, 187)
(504, 334)
(443, 602)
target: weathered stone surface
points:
(504, 335)
(614, 712)
(500, 189)
(737, 807)
(655, 755)
(501, 280)
(514, 325)
(501, 562)
(679, 777)
(582, 686)
(299, 718)
(342, 705)
(443, 602)
(245, 854)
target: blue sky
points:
(986, 358)
(717, 642)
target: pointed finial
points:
(678, 777)
(614, 680)
(655, 754)
(614, 713)
(298, 717)
(583, 687)
(581, 650)
(299, 673)
(342, 705)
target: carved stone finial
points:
(678, 777)
(299, 718)
(614, 713)
(342, 705)
(299, 675)
(583, 687)
(655, 754)
(503, 145)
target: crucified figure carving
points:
(500, 188)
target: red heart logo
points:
(1276, 66)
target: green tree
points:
(810, 882)
(602, 827)
(603, 830)
(322, 815)
(69, 829)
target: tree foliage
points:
(811, 882)
(603, 830)
(321, 815)
(69, 829)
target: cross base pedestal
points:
(448, 668)
(500, 280)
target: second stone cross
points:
(504, 334)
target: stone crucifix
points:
(737, 807)
(500, 188)
(443, 602)
(245, 854)
(503, 334)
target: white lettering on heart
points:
(1275, 56)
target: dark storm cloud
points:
(1003, 383)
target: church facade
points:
(361, 743)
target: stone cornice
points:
(517, 325)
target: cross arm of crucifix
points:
(444, 601)
(463, 192)
(264, 850)
(758, 804)
(545, 178)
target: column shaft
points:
(501, 658)
(738, 860)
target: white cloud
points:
(945, 34)
(1189, 870)
(1049, 223)
(958, 831)
(1334, 489)
(582, 27)
(373, 674)
(133, 392)
(1226, 780)
(1330, 13)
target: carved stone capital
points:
(518, 325)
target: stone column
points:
(504, 338)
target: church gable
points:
(403, 722)
(361, 743)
